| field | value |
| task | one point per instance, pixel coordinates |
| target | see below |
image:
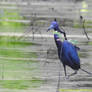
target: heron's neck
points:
(58, 43)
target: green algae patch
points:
(90, 43)
(21, 84)
(7, 41)
(13, 53)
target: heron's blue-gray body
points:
(67, 53)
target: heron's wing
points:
(69, 54)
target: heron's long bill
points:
(51, 27)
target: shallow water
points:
(19, 67)
(18, 62)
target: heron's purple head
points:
(54, 25)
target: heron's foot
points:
(67, 77)
(73, 73)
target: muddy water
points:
(49, 65)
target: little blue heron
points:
(67, 52)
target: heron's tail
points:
(86, 71)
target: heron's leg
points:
(73, 73)
(66, 77)
(86, 71)
(65, 70)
